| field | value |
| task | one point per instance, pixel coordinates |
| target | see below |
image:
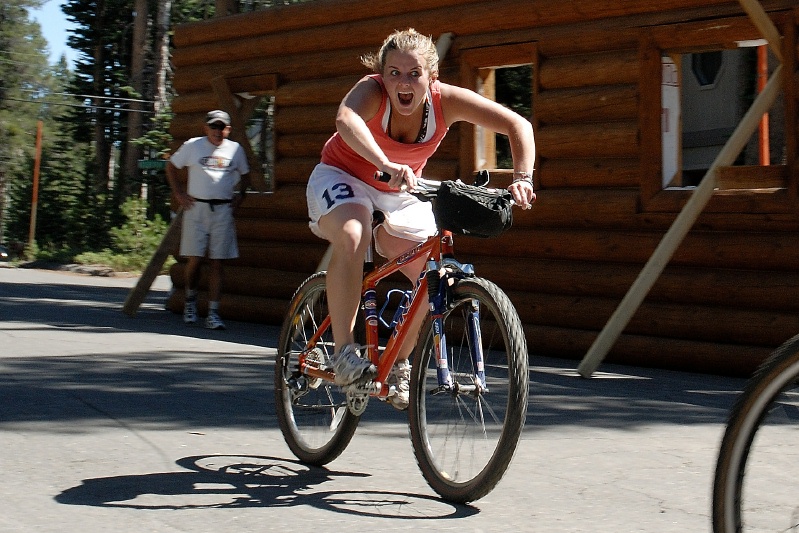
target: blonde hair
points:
(405, 41)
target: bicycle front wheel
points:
(464, 436)
(312, 413)
(756, 485)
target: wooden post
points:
(35, 196)
(764, 25)
(240, 110)
(169, 243)
(679, 228)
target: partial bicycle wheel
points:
(756, 485)
(312, 413)
(464, 439)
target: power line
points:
(92, 96)
(43, 102)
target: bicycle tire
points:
(756, 481)
(312, 414)
(464, 443)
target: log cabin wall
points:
(728, 297)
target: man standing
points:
(218, 180)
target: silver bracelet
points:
(523, 176)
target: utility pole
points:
(35, 196)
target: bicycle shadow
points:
(234, 482)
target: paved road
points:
(113, 423)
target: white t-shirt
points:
(214, 171)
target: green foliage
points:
(133, 243)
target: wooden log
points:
(282, 255)
(194, 103)
(587, 104)
(609, 139)
(294, 170)
(286, 203)
(248, 281)
(678, 354)
(594, 172)
(283, 18)
(734, 288)
(617, 67)
(305, 119)
(715, 32)
(753, 251)
(694, 322)
(300, 145)
(301, 67)
(315, 91)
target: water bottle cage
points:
(403, 303)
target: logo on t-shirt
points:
(214, 162)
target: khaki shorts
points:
(407, 217)
(209, 230)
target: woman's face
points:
(407, 79)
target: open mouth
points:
(405, 98)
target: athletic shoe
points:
(212, 321)
(399, 385)
(190, 312)
(350, 367)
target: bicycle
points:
(469, 374)
(756, 482)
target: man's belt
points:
(213, 202)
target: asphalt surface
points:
(142, 424)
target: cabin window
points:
(511, 87)
(706, 84)
(261, 133)
(505, 74)
(704, 97)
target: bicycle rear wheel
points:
(756, 485)
(464, 441)
(312, 413)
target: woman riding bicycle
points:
(392, 122)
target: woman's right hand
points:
(402, 176)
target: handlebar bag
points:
(474, 211)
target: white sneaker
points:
(212, 321)
(350, 367)
(190, 312)
(399, 385)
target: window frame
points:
(472, 61)
(700, 37)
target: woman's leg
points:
(348, 228)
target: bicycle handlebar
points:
(425, 187)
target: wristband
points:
(523, 176)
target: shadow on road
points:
(220, 481)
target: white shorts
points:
(407, 217)
(206, 230)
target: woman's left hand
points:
(523, 193)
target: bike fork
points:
(437, 285)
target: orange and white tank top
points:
(337, 153)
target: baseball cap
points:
(217, 116)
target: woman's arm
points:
(461, 104)
(360, 105)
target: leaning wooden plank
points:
(169, 244)
(677, 232)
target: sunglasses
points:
(217, 126)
